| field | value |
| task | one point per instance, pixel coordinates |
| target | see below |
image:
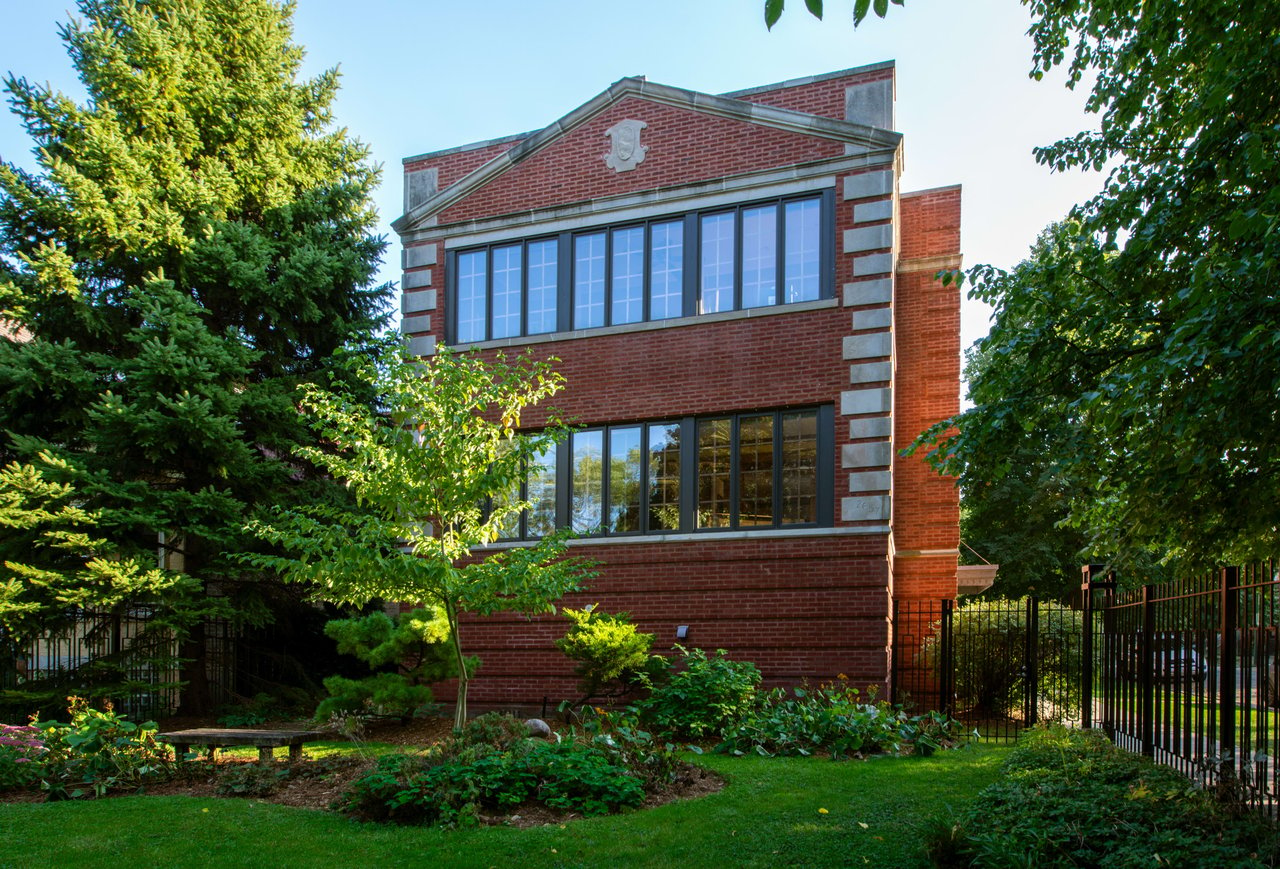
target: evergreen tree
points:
(196, 243)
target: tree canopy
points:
(196, 241)
(1159, 359)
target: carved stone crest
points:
(626, 151)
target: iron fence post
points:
(1086, 648)
(1031, 697)
(893, 656)
(948, 674)
(1228, 609)
(1146, 650)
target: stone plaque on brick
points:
(625, 152)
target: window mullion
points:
(737, 260)
(735, 468)
(780, 255)
(778, 437)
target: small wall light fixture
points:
(682, 632)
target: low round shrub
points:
(21, 756)
(700, 696)
(451, 791)
(1071, 798)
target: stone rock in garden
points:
(541, 730)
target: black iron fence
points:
(998, 665)
(1186, 672)
(125, 655)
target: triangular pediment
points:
(727, 112)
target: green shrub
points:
(98, 751)
(700, 696)
(610, 654)
(618, 733)
(21, 756)
(493, 729)
(832, 718)
(1070, 798)
(416, 645)
(433, 789)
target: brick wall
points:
(684, 147)
(806, 607)
(927, 336)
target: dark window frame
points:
(688, 426)
(691, 264)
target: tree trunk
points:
(460, 708)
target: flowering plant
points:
(21, 752)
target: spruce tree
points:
(196, 243)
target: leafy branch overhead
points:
(1141, 349)
(773, 9)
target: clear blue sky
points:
(430, 74)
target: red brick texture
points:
(803, 606)
(927, 389)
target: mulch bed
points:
(317, 783)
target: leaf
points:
(772, 12)
(860, 9)
(814, 7)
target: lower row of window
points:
(766, 469)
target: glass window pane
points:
(509, 529)
(588, 281)
(588, 481)
(714, 473)
(759, 256)
(542, 286)
(506, 291)
(802, 259)
(471, 296)
(664, 477)
(628, 275)
(542, 494)
(666, 270)
(717, 263)
(799, 467)
(755, 471)
(624, 479)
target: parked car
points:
(1173, 659)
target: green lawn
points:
(767, 816)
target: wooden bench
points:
(266, 741)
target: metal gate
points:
(999, 666)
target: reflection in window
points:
(587, 507)
(799, 468)
(714, 473)
(755, 470)
(507, 272)
(588, 281)
(803, 257)
(542, 286)
(472, 277)
(759, 256)
(628, 275)
(666, 270)
(717, 263)
(624, 479)
(542, 494)
(664, 477)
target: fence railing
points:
(999, 666)
(123, 655)
(1186, 673)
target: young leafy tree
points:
(196, 242)
(432, 472)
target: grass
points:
(767, 816)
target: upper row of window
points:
(766, 253)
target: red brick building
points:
(745, 309)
